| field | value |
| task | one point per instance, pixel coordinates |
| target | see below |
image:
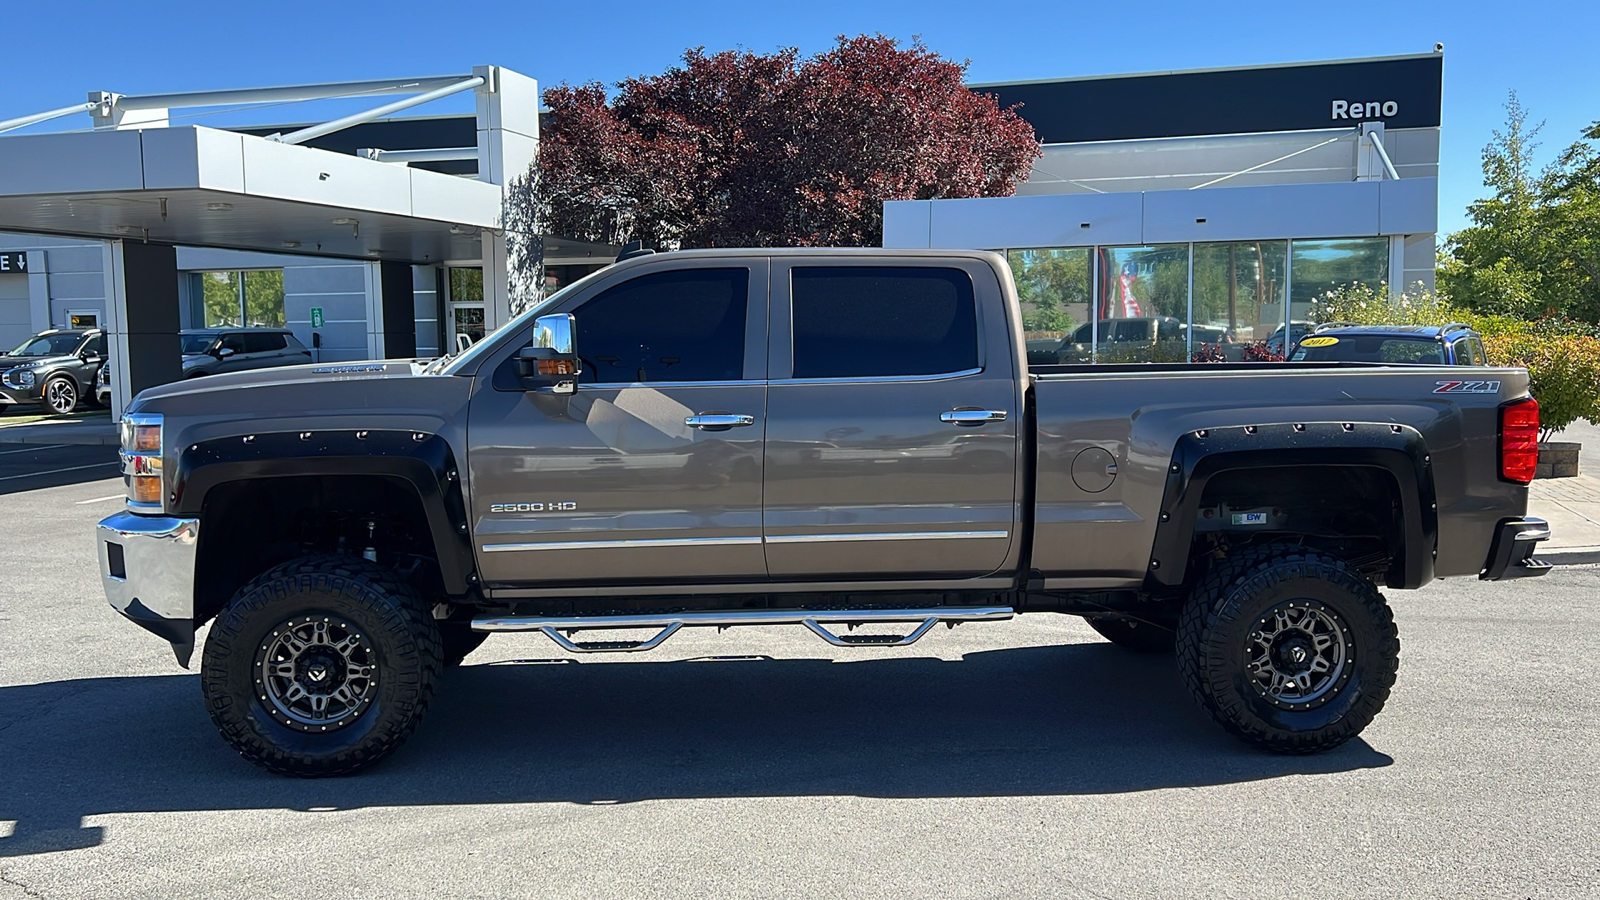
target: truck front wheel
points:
(320, 666)
(1289, 649)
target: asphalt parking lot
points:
(1023, 759)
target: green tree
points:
(1533, 248)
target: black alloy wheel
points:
(1288, 648)
(321, 666)
(60, 395)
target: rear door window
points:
(883, 321)
(234, 342)
(263, 342)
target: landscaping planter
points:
(1557, 459)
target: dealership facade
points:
(1226, 198)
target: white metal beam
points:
(441, 154)
(288, 93)
(1377, 145)
(316, 131)
(25, 121)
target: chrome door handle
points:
(972, 416)
(719, 420)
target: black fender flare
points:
(424, 461)
(1201, 455)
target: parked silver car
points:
(210, 351)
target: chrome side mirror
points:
(551, 360)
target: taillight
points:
(1519, 440)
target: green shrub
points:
(1360, 304)
(1563, 374)
(1562, 355)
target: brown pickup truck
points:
(824, 438)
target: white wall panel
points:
(451, 198)
(1060, 220)
(1409, 206)
(1330, 210)
(67, 163)
(307, 175)
(905, 224)
(193, 157)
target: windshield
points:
(49, 345)
(197, 343)
(450, 364)
(1381, 348)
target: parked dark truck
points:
(823, 438)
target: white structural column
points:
(116, 326)
(374, 290)
(38, 290)
(508, 143)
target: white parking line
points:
(102, 499)
(59, 471)
(32, 449)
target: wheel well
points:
(251, 525)
(1351, 512)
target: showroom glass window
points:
(1238, 301)
(1316, 267)
(252, 297)
(883, 321)
(1142, 304)
(686, 325)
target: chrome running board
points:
(814, 619)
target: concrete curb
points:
(28, 434)
(1568, 556)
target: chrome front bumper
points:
(147, 567)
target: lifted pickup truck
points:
(824, 438)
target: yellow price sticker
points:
(1319, 342)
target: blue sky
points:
(56, 51)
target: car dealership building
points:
(1227, 198)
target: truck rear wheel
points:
(1140, 637)
(320, 666)
(1289, 649)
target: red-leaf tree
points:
(744, 149)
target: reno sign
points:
(1364, 110)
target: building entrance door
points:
(464, 324)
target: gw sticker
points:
(1466, 387)
(1323, 341)
(558, 506)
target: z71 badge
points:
(1467, 387)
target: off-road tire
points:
(458, 639)
(404, 650)
(64, 387)
(1214, 643)
(1143, 636)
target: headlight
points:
(19, 378)
(141, 460)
